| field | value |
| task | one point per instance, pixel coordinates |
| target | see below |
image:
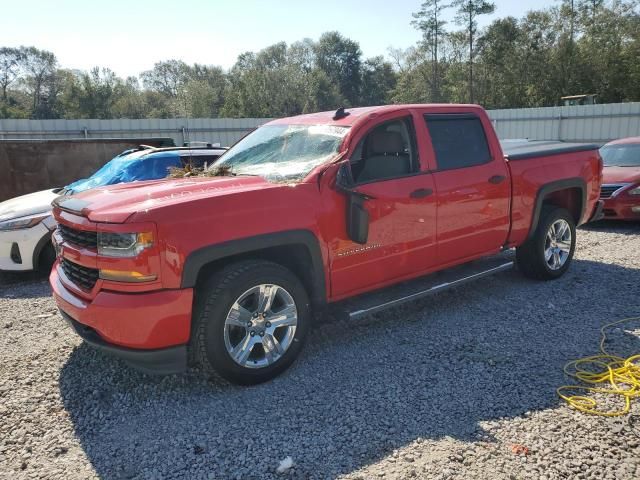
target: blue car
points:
(146, 163)
(26, 222)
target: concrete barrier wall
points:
(28, 166)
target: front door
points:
(401, 207)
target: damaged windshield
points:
(283, 152)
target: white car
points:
(26, 222)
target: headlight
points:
(634, 191)
(123, 244)
(23, 222)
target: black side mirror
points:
(344, 178)
(357, 214)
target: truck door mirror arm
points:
(346, 184)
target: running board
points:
(393, 296)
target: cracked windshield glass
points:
(283, 152)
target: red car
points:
(349, 210)
(621, 179)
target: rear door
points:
(473, 188)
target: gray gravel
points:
(439, 389)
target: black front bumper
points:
(598, 212)
(163, 361)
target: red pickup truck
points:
(350, 210)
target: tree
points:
(9, 68)
(429, 21)
(40, 68)
(467, 14)
(378, 81)
(167, 77)
(499, 55)
(340, 59)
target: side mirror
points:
(357, 215)
(344, 178)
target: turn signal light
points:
(126, 276)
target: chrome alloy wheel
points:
(557, 244)
(260, 326)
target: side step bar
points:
(370, 303)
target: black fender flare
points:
(557, 186)
(202, 256)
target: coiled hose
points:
(614, 375)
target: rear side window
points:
(458, 141)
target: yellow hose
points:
(616, 375)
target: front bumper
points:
(622, 207)
(28, 242)
(148, 330)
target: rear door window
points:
(458, 141)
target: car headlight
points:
(112, 244)
(634, 191)
(23, 222)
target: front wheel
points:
(251, 321)
(548, 253)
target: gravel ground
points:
(443, 388)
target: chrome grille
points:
(607, 190)
(82, 238)
(83, 277)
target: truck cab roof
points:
(354, 115)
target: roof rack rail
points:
(197, 143)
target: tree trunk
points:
(470, 58)
(435, 94)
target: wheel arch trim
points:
(197, 259)
(553, 187)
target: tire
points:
(46, 258)
(217, 331)
(533, 256)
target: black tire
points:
(530, 256)
(215, 299)
(47, 258)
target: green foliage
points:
(574, 47)
(429, 21)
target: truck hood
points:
(116, 203)
(30, 204)
(621, 175)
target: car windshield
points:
(621, 155)
(283, 152)
(128, 167)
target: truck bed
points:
(524, 149)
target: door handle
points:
(421, 193)
(496, 179)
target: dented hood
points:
(117, 203)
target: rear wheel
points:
(548, 253)
(251, 321)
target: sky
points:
(129, 36)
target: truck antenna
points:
(340, 114)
